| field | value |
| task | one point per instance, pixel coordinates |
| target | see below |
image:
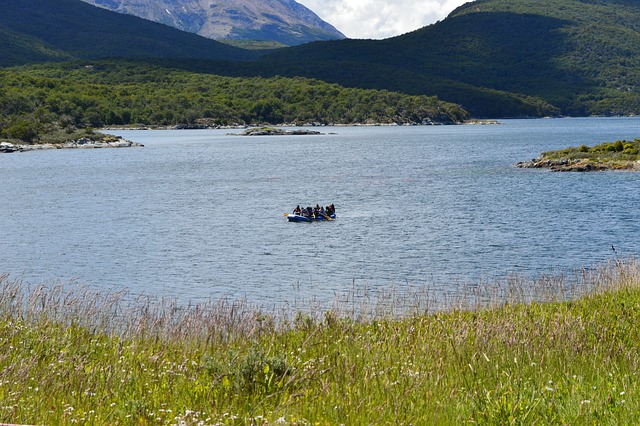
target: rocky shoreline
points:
(580, 165)
(82, 143)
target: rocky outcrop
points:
(270, 131)
(568, 165)
(110, 142)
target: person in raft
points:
(330, 210)
(315, 211)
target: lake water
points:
(198, 215)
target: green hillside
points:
(40, 100)
(44, 30)
(496, 57)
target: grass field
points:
(555, 350)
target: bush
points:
(261, 373)
(22, 129)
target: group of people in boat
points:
(317, 211)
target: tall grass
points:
(552, 350)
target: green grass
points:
(555, 350)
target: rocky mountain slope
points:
(284, 21)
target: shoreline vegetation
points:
(609, 156)
(551, 350)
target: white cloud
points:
(380, 18)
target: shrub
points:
(630, 149)
(22, 129)
(261, 373)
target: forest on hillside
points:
(38, 99)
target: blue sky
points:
(380, 18)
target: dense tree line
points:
(38, 99)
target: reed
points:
(558, 349)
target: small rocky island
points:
(618, 155)
(106, 141)
(271, 131)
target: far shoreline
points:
(293, 125)
(110, 141)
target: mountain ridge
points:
(284, 21)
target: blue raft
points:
(302, 218)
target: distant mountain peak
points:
(284, 21)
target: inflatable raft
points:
(304, 218)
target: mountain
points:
(496, 58)
(54, 30)
(284, 21)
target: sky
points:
(380, 19)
